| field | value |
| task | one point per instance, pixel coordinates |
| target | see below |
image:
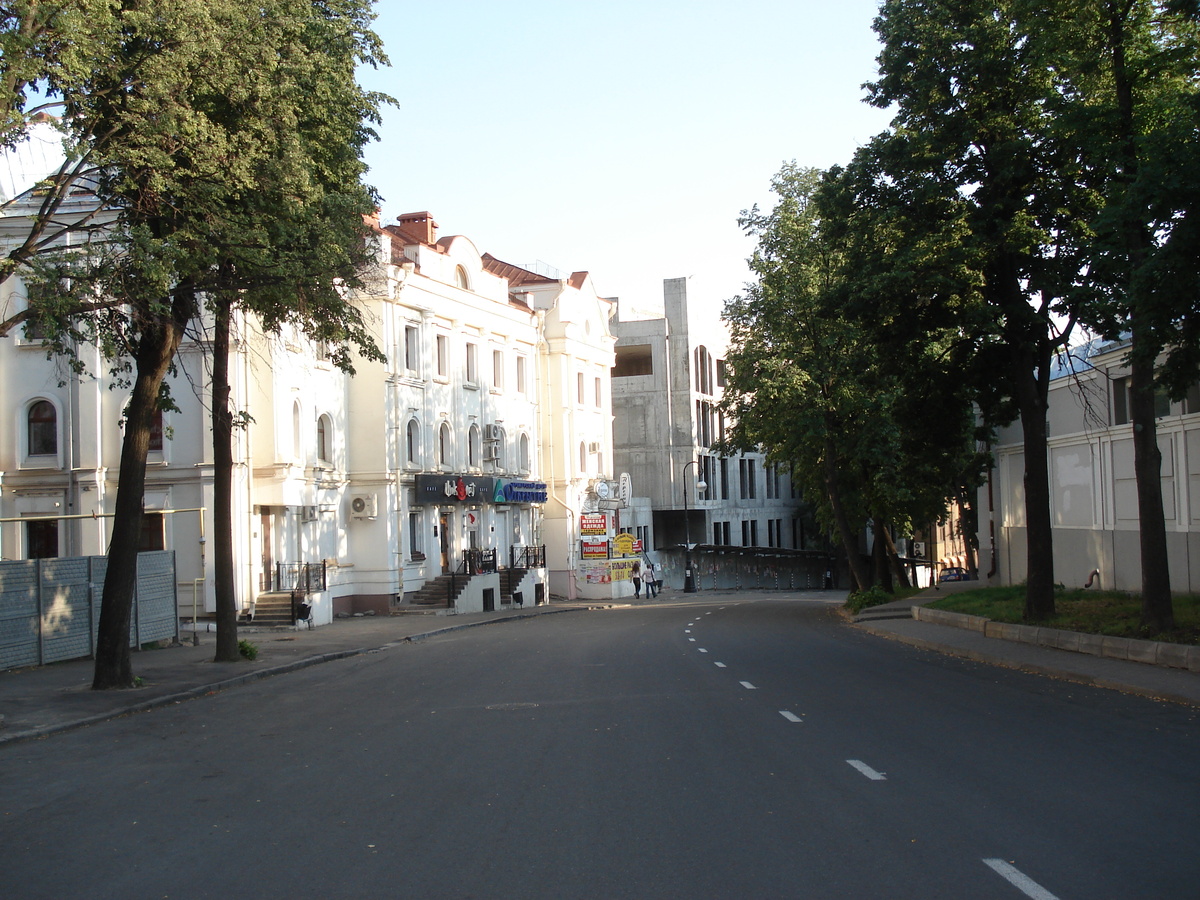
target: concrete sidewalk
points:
(894, 620)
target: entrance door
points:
(444, 540)
(266, 578)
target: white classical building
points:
(459, 465)
(1093, 489)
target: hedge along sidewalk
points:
(1156, 653)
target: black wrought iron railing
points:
(480, 561)
(527, 557)
(302, 578)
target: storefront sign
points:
(520, 491)
(595, 549)
(626, 544)
(435, 489)
(590, 523)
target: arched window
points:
(474, 447)
(42, 424)
(156, 432)
(324, 436)
(523, 452)
(296, 443)
(582, 457)
(444, 445)
(460, 278)
(413, 442)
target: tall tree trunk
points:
(1029, 343)
(860, 573)
(1157, 610)
(899, 575)
(880, 555)
(156, 349)
(222, 428)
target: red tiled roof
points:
(515, 275)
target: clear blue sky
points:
(620, 138)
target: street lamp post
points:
(689, 573)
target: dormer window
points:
(460, 278)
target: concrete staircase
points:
(273, 608)
(436, 594)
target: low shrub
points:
(872, 596)
(247, 649)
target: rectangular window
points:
(643, 535)
(498, 370)
(720, 373)
(753, 534)
(411, 348)
(414, 536)
(520, 374)
(42, 539)
(636, 360)
(579, 388)
(443, 355)
(751, 480)
(599, 394)
(745, 534)
(152, 536)
(472, 364)
(724, 479)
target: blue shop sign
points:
(520, 492)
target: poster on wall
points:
(626, 544)
(621, 569)
(593, 523)
(595, 549)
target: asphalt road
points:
(706, 750)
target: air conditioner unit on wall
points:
(491, 452)
(492, 433)
(308, 513)
(364, 506)
(594, 447)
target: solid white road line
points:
(748, 686)
(791, 717)
(867, 770)
(1019, 879)
(720, 665)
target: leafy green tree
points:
(971, 144)
(1128, 97)
(229, 172)
(870, 432)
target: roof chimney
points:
(418, 227)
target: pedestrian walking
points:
(651, 580)
(637, 580)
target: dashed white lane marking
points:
(701, 649)
(687, 631)
(867, 770)
(693, 640)
(790, 716)
(720, 665)
(1019, 879)
(748, 686)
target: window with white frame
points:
(579, 388)
(41, 539)
(412, 439)
(412, 348)
(443, 355)
(472, 364)
(444, 445)
(324, 439)
(474, 447)
(41, 422)
(523, 453)
(599, 394)
(521, 387)
(498, 369)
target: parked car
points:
(954, 573)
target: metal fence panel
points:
(50, 608)
(18, 613)
(157, 611)
(65, 609)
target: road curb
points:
(258, 675)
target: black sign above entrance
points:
(455, 488)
